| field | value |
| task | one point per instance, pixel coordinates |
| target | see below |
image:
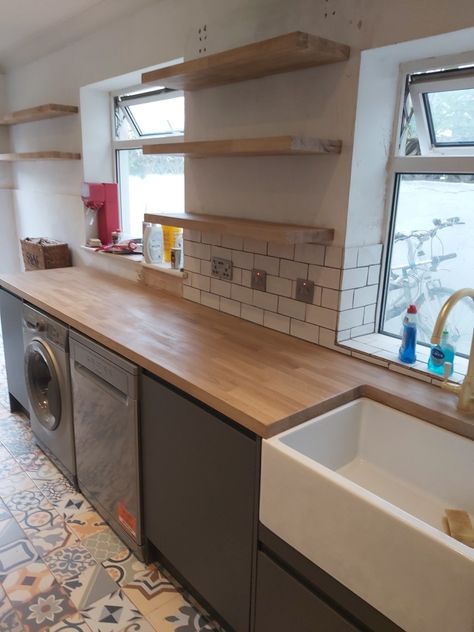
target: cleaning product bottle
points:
(407, 352)
(172, 238)
(152, 243)
(444, 352)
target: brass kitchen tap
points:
(466, 390)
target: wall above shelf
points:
(285, 53)
(40, 155)
(272, 146)
(38, 113)
(254, 229)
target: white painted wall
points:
(313, 190)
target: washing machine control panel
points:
(57, 334)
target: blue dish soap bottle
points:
(440, 354)
(407, 352)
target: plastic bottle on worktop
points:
(407, 352)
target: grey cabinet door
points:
(284, 604)
(200, 478)
(12, 328)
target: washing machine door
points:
(42, 382)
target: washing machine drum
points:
(43, 384)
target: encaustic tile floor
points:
(61, 567)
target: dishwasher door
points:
(106, 430)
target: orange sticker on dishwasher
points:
(127, 520)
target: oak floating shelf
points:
(273, 146)
(39, 113)
(267, 231)
(40, 155)
(285, 53)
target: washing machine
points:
(48, 382)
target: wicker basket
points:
(42, 254)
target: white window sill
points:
(138, 262)
(383, 350)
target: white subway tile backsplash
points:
(211, 238)
(305, 331)
(365, 295)
(198, 250)
(223, 253)
(277, 321)
(236, 275)
(242, 294)
(191, 293)
(255, 245)
(293, 269)
(292, 308)
(233, 242)
(353, 278)
(374, 275)
(333, 258)
(350, 258)
(254, 314)
(242, 259)
(220, 287)
(347, 298)
(271, 265)
(210, 300)
(318, 294)
(330, 298)
(229, 307)
(351, 318)
(206, 267)
(246, 278)
(362, 330)
(201, 282)
(265, 300)
(369, 255)
(191, 264)
(191, 235)
(310, 253)
(369, 313)
(325, 277)
(327, 337)
(277, 285)
(321, 316)
(283, 251)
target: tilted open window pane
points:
(451, 116)
(431, 254)
(157, 118)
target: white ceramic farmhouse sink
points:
(361, 491)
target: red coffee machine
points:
(103, 198)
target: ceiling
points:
(31, 28)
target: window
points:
(147, 183)
(431, 251)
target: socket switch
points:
(304, 290)
(258, 280)
(221, 268)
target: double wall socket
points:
(304, 290)
(258, 280)
(221, 268)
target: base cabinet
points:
(12, 328)
(200, 476)
(284, 604)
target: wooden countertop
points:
(263, 380)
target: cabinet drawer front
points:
(284, 604)
(200, 481)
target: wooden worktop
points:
(263, 380)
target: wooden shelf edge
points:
(270, 146)
(284, 53)
(38, 113)
(40, 155)
(254, 229)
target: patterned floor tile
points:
(45, 610)
(4, 513)
(150, 591)
(10, 531)
(124, 568)
(18, 445)
(47, 471)
(15, 555)
(16, 483)
(28, 581)
(69, 561)
(32, 510)
(75, 623)
(87, 524)
(56, 536)
(8, 467)
(177, 615)
(32, 460)
(114, 613)
(70, 505)
(104, 545)
(56, 489)
(9, 620)
(90, 586)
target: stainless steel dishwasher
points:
(106, 427)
